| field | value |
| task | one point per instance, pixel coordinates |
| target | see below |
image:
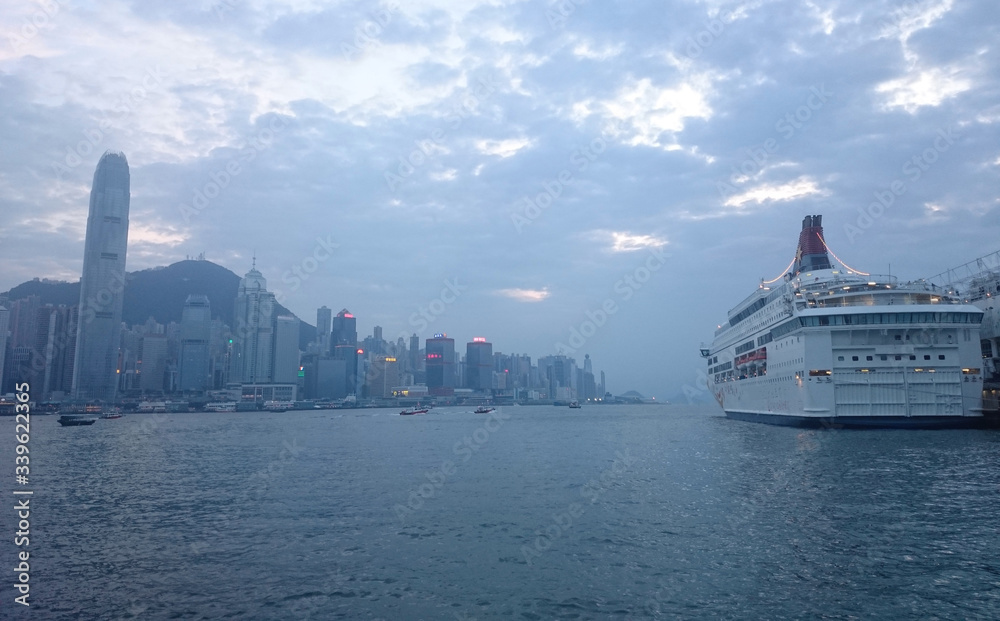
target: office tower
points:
(252, 357)
(479, 365)
(196, 334)
(603, 389)
(55, 340)
(345, 330)
(4, 326)
(23, 321)
(382, 376)
(414, 353)
(102, 285)
(348, 355)
(286, 350)
(440, 363)
(324, 318)
(153, 365)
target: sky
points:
(581, 177)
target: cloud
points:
(525, 295)
(775, 192)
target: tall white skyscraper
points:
(252, 360)
(102, 285)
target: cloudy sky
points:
(508, 169)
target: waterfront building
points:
(479, 364)
(195, 337)
(252, 356)
(440, 365)
(102, 284)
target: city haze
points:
(503, 169)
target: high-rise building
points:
(440, 364)
(345, 330)
(196, 334)
(324, 318)
(382, 376)
(252, 358)
(479, 364)
(102, 285)
(54, 346)
(286, 350)
(348, 354)
(414, 353)
(153, 363)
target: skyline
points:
(507, 164)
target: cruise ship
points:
(831, 346)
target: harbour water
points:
(615, 512)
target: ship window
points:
(913, 357)
(927, 357)
(899, 357)
(883, 357)
(840, 358)
(854, 358)
(869, 358)
(940, 356)
(899, 337)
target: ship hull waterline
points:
(865, 422)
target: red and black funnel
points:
(811, 254)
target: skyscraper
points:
(102, 284)
(286, 350)
(323, 326)
(252, 360)
(196, 332)
(479, 364)
(440, 363)
(345, 329)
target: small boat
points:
(76, 420)
(111, 415)
(484, 409)
(279, 406)
(228, 406)
(574, 404)
(412, 411)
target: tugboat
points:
(484, 409)
(574, 404)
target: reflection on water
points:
(605, 512)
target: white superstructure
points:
(833, 346)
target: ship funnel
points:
(811, 254)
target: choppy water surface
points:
(599, 513)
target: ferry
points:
(412, 411)
(76, 420)
(831, 346)
(279, 406)
(227, 406)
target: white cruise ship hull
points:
(836, 348)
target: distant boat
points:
(574, 404)
(484, 409)
(279, 406)
(229, 406)
(76, 420)
(412, 411)
(112, 415)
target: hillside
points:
(160, 293)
